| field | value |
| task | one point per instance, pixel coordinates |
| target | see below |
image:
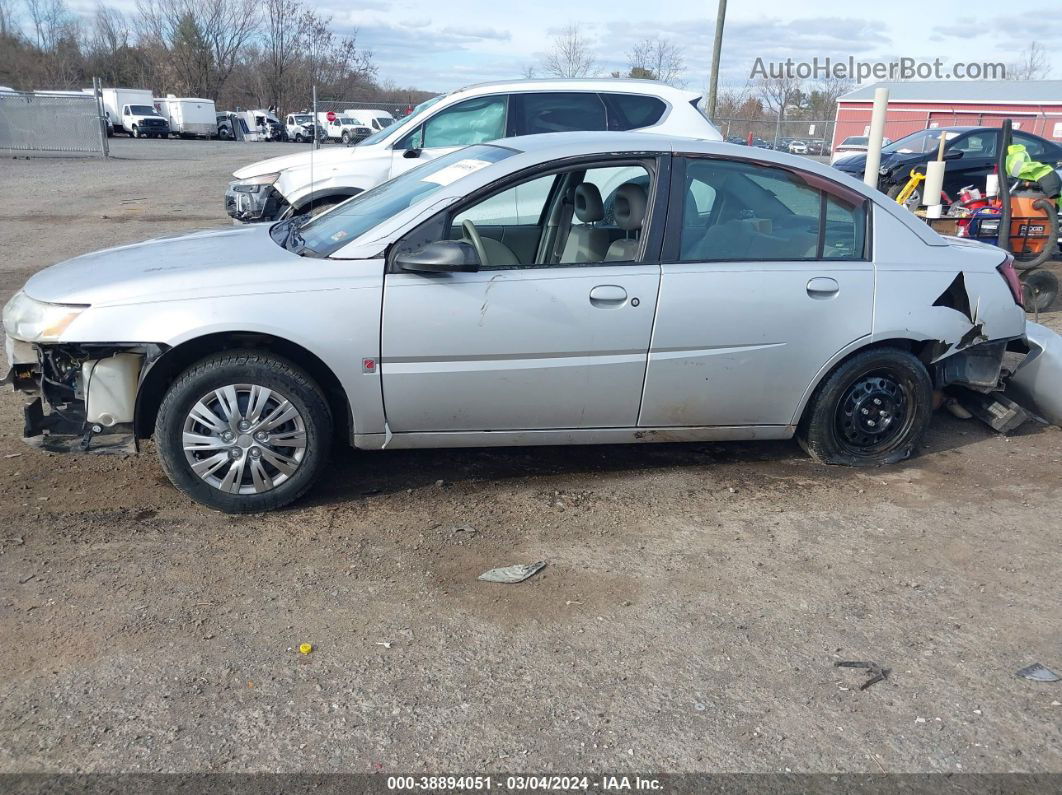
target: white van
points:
(189, 116)
(375, 119)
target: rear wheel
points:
(244, 432)
(1039, 289)
(872, 409)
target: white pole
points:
(877, 130)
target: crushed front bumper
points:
(253, 206)
(81, 397)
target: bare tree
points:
(570, 55)
(1034, 64)
(529, 72)
(285, 31)
(779, 93)
(654, 58)
(8, 21)
(200, 40)
(52, 21)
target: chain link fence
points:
(815, 136)
(50, 123)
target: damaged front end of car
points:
(82, 397)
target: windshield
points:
(142, 110)
(921, 141)
(854, 140)
(330, 231)
(302, 118)
(404, 124)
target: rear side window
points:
(559, 112)
(762, 213)
(631, 111)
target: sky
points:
(440, 46)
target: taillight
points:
(1010, 276)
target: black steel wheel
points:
(872, 409)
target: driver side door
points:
(526, 342)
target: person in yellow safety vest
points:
(1021, 166)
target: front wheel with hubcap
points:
(871, 410)
(244, 432)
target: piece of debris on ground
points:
(875, 671)
(1039, 673)
(513, 574)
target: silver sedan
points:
(559, 289)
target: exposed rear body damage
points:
(1037, 381)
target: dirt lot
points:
(695, 600)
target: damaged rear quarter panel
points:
(918, 296)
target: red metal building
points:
(1033, 105)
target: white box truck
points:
(132, 110)
(189, 116)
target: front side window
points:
(470, 122)
(735, 210)
(559, 112)
(978, 144)
(584, 215)
(1034, 146)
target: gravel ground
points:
(695, 600)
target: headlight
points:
(254, 184)
(31, 320)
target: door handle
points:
(823, 287)
(608, 295)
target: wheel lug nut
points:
(255, 452)
(234, 454)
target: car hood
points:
(856, 162)
(330, 156)
(200, 264)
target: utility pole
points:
(717, 48)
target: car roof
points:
(611, 84)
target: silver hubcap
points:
(244, 438)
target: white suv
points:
(310, 181)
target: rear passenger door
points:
(765, 277)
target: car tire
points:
(346, 139)
(839, 424)
(135, 133)
(1039, 290)
(238, 470)
(298, 138)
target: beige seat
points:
(629, 210)
(586, 242)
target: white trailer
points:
(114, 99)
(189, 116)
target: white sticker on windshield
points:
(454, 172)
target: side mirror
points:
(953, 154)
(442, 256)
(411, 153)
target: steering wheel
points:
(470, 235)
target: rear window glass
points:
(631, 111)
(560, 112)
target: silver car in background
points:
(554, 289)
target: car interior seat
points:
(586, 241)
(631, 203)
